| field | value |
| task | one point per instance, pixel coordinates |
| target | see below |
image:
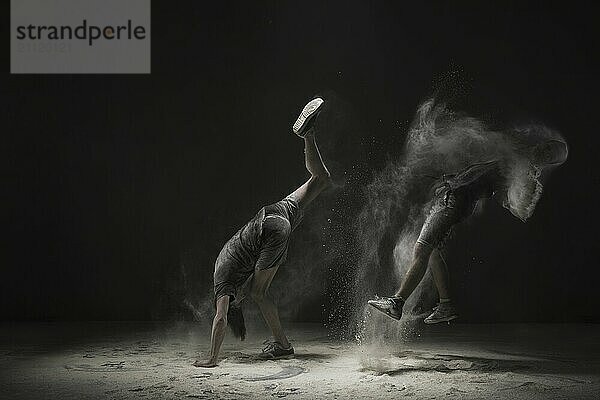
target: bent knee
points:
(322, 181)
(325, 180)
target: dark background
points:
(111, 181)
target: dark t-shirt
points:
(260, 244)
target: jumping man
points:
(454, 200)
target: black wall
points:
(108, 180)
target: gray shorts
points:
(261, 244)
(448, 209)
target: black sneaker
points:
(275, 350)
(444, 312)
(310, 110)
(390, 306)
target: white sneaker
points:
(443, 312)
(310, 110)
(390, 306)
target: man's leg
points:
(415, 273)
(319, 179)
(445, 310)
(260, 285)
(435, 228)
(439, 270)
(392, 306)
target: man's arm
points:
(218, 333)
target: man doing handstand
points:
(251, 258)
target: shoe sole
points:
(389, 314)
(308, 113)
(437, 321)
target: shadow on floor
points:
(243, 358)
(409, 361)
